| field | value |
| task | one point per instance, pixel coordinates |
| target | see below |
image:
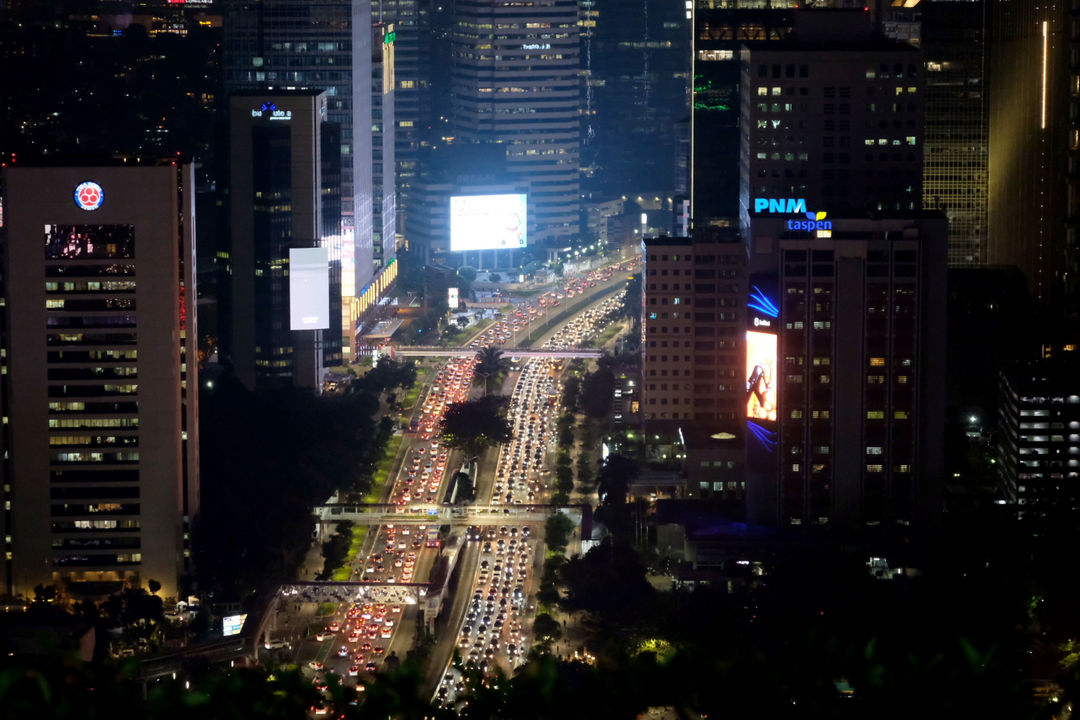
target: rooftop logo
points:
(89, 196)
(779, 205)
(814, 221)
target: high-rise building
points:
(694, 315)
(695, 298)
(283, 162)
(719, 29)
(832, 116)
(325, 45)
(956, 138)
(383, 148)
(1039, 438)
(100, 382)
(516, 82)
(849, 386)
(636, 68)
(1034, 184)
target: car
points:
(277, 645)
(371, 666)
(354, 670)
(315, 665)
(343, 652)
(323, 635)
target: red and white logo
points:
(89, 195)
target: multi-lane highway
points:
(373, 626)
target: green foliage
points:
(495, 277)
(491, 365)
(546, 628)
(336, 549)
(557, 531)
(598, 392)
(466, 489)
(474, 425)
(571, 394)
(564, 478)
(261, 476)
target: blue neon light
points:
(766, 437)
(759, 301)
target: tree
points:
(466, 276)
(490, 365)
(495, 277)
(557, 531)
(598, 392)
(154, 586)
(466, 490)
(474, 425)
(546, 628)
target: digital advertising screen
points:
(232, 624)
(488, 222)
(760, 375)
(309, 288)
(452, 299)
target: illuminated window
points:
(874, 468)
(900, 415)
(873, 450)
(875, 414)
(877, 362)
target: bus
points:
(432, 539)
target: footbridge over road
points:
(520, 352)
(455, 515)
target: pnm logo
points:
(814, 221)
(89, 196)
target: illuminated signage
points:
(389, 37)
(761, 351)
(760, 375)
(814, 221)
(452, 298)
(270, 111)
(89, 196)
(488, 222)
(232, 624)
(536, 46)
(779, 205)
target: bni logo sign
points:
(89, 196)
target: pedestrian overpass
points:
(454, 515)
(435, 351)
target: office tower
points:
(853, 397)
(956, 140)
(636, 67)
(1034, 186)
(1039, 438)
(694, 315)
(695, 298)
(100, 381)
(719, 29)
(833, 116)
(516, 83)
(383, 158)
(413, 40)
(279, 199)
(326, 45)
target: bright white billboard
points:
(487, 222)
(452, 298)
(309, 288)
(232, 624)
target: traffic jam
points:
(494, 631)
(355, 638)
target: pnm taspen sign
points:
(813, 221)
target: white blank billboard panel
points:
(309, 288)
(487, 222)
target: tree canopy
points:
(474, 425)
(491, 364)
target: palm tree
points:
(491, 364)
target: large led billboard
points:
(232, 624)
(487, 222)
(309, 288)
(760, 375)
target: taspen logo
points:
(813, 221)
